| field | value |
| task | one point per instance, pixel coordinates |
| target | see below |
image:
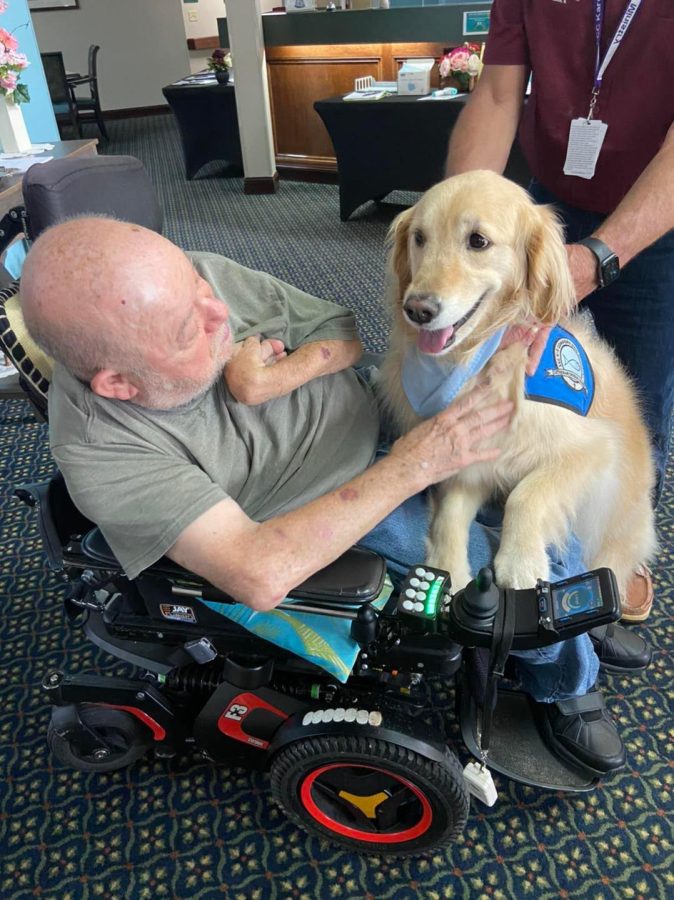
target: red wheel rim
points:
(405, 834)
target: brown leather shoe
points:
(636, 605)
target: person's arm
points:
(485, 130)
(261, 370)
(645, 213)
(259, 563)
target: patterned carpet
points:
(186, 829)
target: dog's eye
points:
(478, 241)
(419, 238)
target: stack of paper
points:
(367, 95)
(21, 163)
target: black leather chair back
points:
(57, 83)
(117, 186)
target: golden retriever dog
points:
(473, 256)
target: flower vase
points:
(13, 134)
(459, 80)
(222, 77)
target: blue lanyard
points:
(601, 65)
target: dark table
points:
(397, 143)
(208, 123)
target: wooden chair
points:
(59, 92)
(89, 108)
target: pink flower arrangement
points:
(462, 63)
(12, 63)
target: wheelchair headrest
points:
(117, 186)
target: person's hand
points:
(248, 374)
(583, 266)
(455, 438)
(534, 336)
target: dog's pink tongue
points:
(434, 341)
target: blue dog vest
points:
(564, 375)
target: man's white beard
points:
(164, 394)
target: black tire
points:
(425, 805)
(122, 737)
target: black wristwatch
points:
(608, 264)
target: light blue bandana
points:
(564, 376)
(431, 386)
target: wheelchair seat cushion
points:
(34, 366)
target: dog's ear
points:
(549, 284)
(399, 257)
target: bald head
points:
(123, 309)
(92, 288)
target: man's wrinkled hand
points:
(247, 372)
(455, 438)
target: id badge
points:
(585, 142)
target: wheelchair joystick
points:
(476, 606)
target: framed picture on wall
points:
(36, 5)
(476, 22)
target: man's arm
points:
(259, 563)
(261, 370)
(645, 213)
(485, 130)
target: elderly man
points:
(255, 480)
(257, 476)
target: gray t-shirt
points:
(144, 475)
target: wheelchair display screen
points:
(576, 599)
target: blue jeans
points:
(557, 672)
(635, 315)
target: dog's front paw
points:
(459, 572)
(521, 569)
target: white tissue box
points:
(414, 77)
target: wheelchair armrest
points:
(355, 577)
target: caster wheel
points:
(372, 796)
(109, 739)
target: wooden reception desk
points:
(314, 55)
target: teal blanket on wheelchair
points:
(324, 641)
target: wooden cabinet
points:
(300, 75)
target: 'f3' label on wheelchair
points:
(235, 711)
(247, 714)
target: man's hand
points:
(534, 336)
(441, 446)
(248, 373)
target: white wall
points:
(208, 12)
(142, 46)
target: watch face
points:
(610, 269)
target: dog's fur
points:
(558, 471)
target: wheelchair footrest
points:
(517, 749)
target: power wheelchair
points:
(357, 762)
(362, 763)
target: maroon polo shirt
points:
(555, 39)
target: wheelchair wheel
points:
(370, 795)
(110, 739)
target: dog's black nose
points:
(421, 308)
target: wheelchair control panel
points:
(544, 614)
(422, 594)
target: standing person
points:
(598, 135)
